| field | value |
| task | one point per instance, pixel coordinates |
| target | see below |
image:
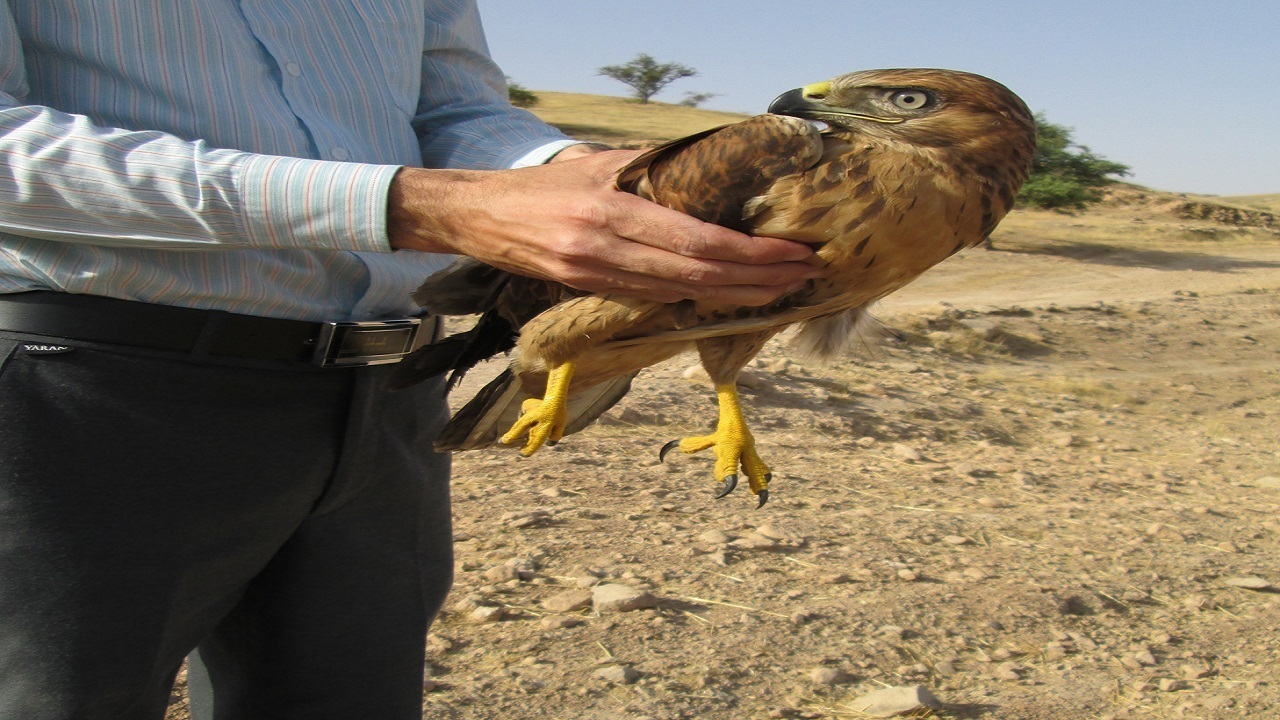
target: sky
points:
(1185, 93)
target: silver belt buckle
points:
(354, 344)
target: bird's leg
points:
(558, 338)
(543, 420)
(734, 446)
(723, 358)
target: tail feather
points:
(479, 423)
(428, 361)
(493, 410)
(490, 336)
(587, 406)
(466, 287)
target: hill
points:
(624, 122)
(1270, 203)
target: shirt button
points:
(293, 69)
(339, 154)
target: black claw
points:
(730, 482)
(552, 443)
(662, 454)
(763, 497)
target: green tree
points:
(1066, 175)
(519, 95)
(694, 99)
(646, 76)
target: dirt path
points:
(1044, 259)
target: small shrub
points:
(520, 96)
(1066, 175)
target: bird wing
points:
(715, 175)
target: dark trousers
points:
(292, 524)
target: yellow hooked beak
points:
(810, 102)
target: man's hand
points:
(565, 221)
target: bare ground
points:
(1034, 503)
(1039, 499)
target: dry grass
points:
(623, 121)
(946, 332)
(1117, 233)
(1270, 203)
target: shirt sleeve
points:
(464, 118)
(66, 179)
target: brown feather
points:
(883, 192)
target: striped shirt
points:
(236, 154)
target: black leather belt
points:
(212, 333)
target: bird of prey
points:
(884, 172)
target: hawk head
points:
(958, 117)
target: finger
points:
(725, 244)
(611, 279)
(652, 274)
(753, 295)
(719, 273)
(656, 226)
(699, 278)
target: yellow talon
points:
(543, 420)
(734, 445)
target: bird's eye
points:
(910, 99)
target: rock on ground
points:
(895, 701)
(620, 598)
